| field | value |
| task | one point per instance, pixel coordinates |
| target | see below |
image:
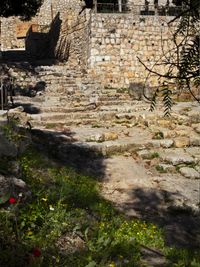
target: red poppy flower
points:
(36, 252)
(12, 200)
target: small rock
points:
(110, 136)
(148, 154)
(189, 173)
(19, 183)
(166, 143)
(164, 123)
(120, 116)
(95, 138)
(181, 142)
(168, 133)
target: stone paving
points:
(148, 165)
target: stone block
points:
(180, 142)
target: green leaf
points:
(91, 264)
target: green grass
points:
(66, 204)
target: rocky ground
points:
(148, 165)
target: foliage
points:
(182, 62)
(23, 8)
(184, 258)
(66, 203)
(65, 206)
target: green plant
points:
(154, 155)
(66, 205)
(50, 125)
(160, 169)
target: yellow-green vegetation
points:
(65, 206)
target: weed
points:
(50, 125)
(66, 203)
(96, 126)
(160, 169)
(158, 135)
(154, 155)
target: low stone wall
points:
(118, 40)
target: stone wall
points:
(8, 34)
(116, 42)
(45, 16)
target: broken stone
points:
(189, 173)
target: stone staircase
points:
(70, 98)
(106, 120)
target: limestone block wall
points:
(8, 34)
(47, 12)
(116, 42)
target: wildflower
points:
(36, 252)
(12, 200)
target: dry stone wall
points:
(8, 34)
(45, 16)
(118, 40)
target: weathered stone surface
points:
(189, 172)
(194, 139)
(166, 167)
(194, 116)
(110, 136)
(176, 158)
(197, 128)
(166, 143)
(7, 148)
(182, 141)
(95, 138)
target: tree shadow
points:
(181, 225)
(63, 147)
